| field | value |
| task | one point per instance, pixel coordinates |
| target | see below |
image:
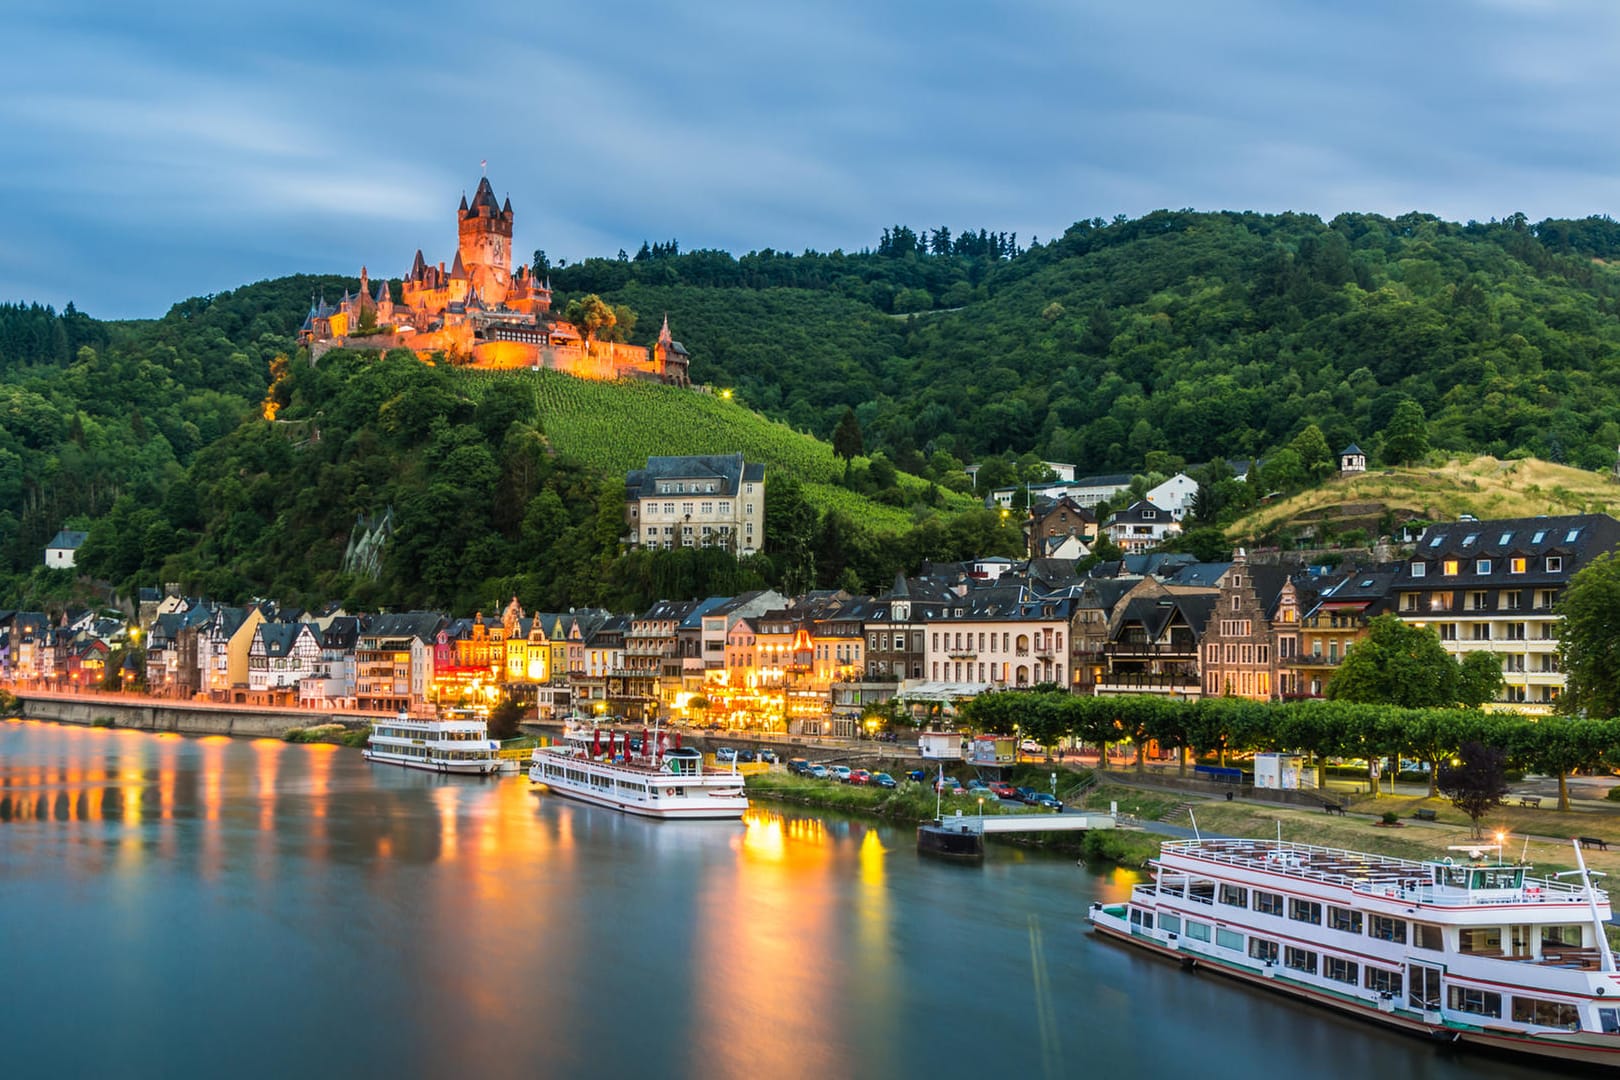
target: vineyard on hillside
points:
(617, 426)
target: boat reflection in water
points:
(410, 923)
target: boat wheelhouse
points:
(650, 781)
(454, 741)
(1466, 951)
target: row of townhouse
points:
(816, 664)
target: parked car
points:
(768, 756)
(883, 780)
(950, 785)
(798, 766)
(725, 753)
(1025, 794)
(839, 773)
(978, 785)
(1030, 746)
(919, 775)
(745, 755)
(1048, 801)
(1004, 790)
(817, 772)
(860, 776)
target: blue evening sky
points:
(158, 150)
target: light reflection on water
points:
(168, 904)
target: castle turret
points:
(485, 229)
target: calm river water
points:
(198, 907)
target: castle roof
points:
(484, 198)
(383, 294)
(457, 271)
(418, 266)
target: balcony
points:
(1188, 652)
(1162, 684)
(962, 654)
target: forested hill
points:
(1197, 334)
(1124, 345)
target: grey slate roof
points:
(727, 471)
(68, 540)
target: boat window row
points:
(430, 736)
(461, 755)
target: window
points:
(1471, 999)
(1482, 566)
(1555, 564)
(1569, 537)
(1198, 931)
(1228, 939)
(1344, 919)
(1469, 540)
(1449, 567)
(1609, 1021)
(1201, 891)
(1268, 903)
(1479, 939)
(1385, 982)
(1261, 949)
(1516, 566)
(1299, 960)
(1419, 569)
(1546, 1013)
(1340, 970)
(1170, 923)
(1428, 936)
(1387, 929)
(1477, 601)
(1409, 601)
(1541, 534)
(1512, 601)
(1304, 910)
(1567, 937)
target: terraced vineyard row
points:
(617, 426)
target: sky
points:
(156, 151)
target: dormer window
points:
(1555, 564)
(1449, 567)
(1482, 566)
(1149, 515)
(1419, 569)
(1516, 565)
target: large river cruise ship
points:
(1465, 951)
(609, 769)
(454, 741)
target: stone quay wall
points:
(189, 718)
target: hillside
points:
(1372, 502)
(615, 427)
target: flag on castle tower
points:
(484, 164)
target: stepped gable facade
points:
(481, 312)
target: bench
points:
(1530, 800)
(1593, 842)
(1333, 808)
(1423, 814)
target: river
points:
(182, 907)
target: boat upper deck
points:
(1440, 883)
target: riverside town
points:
(730, 541)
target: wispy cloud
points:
(160, 150)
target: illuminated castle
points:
(479, 313)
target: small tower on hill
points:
(485, 248)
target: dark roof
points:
(1202, 574)
(69, 539)
(1352, 449)
(485, 197)
(1575, 538)
(1137, 512)
(728, 470)
(278, 638)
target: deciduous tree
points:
(1477, 783)
(1589, 639)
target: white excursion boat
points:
(600, 767)
(1468, 952)
(454, 741)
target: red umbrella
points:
(646, 748)
(596, 742)
(677, 740)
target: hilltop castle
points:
(479, 312)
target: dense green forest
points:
(1124, 345)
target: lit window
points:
(1449, 567)
(1516, 566)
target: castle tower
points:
(486, 242)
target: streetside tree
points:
(1398, 664)
(591, 314)
(1477, 784)
(1561, 745)
(1589, 640)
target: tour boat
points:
(454, 741)
(1465, 951)
(600, 767)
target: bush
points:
(1391, 817)
(1613, 795)
(103, 722)
(1119, 846)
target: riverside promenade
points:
(144, 713)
